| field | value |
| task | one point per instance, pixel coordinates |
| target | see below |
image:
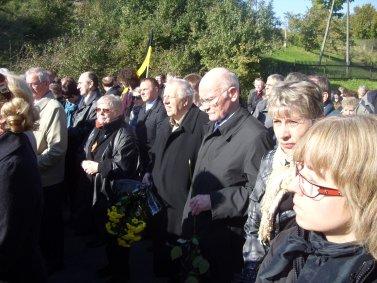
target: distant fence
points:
(332, 71)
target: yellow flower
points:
(122, 243)
(136, 238)
(128, 236)
(114, 216)
(109, 228)
(139, 228)
(135, 221)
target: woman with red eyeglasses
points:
(335, 200)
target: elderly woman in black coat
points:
(111, 154)
(20, 192)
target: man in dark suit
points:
(226, 168)
(255, 95)
(180, 134)
(86, 112)
(83, 123)
(151, 114)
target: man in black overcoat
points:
(174, 154)
(226, 169)
(83, 123)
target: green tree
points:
(364, 22)
(31, 22)
(190, 36)
(307, 30)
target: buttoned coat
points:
(51, 138)
(226, 169)
(146, 129)
(174, 155)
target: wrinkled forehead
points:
(211, 88)
(171, 89)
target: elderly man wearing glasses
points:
(51, 140)
(180, 134)
(225, 171)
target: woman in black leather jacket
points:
(111, 154)
(293, 108)
(335, 202)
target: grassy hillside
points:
(291, 58)
(293, 54)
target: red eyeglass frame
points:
(325, 191)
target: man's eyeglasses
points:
(312, 190)
(210, 101)
(105, 110)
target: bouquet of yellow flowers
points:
(127, 220)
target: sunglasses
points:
(105, 110)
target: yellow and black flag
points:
(145, 66)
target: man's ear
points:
(91, 84)
(233, 94)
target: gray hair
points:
(42, 74)
(182, 87)
(114, 102)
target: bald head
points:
(222, 77)
(219, 93)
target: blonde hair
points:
(345, 147)
(19, 112)
(303, 97)
(350, 101)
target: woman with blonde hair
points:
(293, 108)
(20, 89)
(336, 207)
(20, 192)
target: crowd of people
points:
(281, 189)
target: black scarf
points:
(316, 245)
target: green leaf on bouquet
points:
(200, 263)
(195, 241)
(175, 253)
(191, 279)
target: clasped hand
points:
(90, 167)
(200, 203)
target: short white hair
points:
(42, 74)
(114, 102)
(182, 87)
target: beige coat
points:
(51, 140)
